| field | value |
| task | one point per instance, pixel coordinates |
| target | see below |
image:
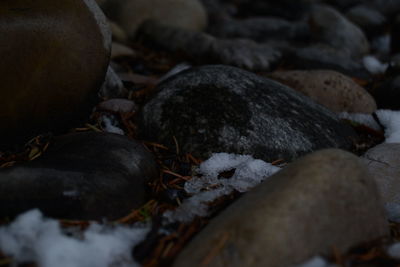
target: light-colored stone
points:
(383, 163)
(329, 88)
(325, 200)
(130, 14)
(54, 56)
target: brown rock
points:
(329, 88)
(54, 56)
(321, 201)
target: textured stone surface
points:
(54, 56)
(321, 201)
(383, 163)
(331, 27)
(225, 109)
(130, 14)
(329, 88)
(81, 176)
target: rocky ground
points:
(221, 133)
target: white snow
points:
(390, 119)
(31, 237)
(316, 261)
(110, 127)
(373, 65)
(362, 118)
(207, 186)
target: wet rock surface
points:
(86, 176)
(220, 108)
(317, 202)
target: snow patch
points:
(31, 237)
(110, 127)
(374, 66)
(362, 118)
(390, 119)
(248, 172)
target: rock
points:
(204, 48)
(383, 164)
(329, 88)
(387, 94)
(85, 176)
(331, 27)
(117, 32)
(323, 57)
(368, 19)
(130, 14)
(112, 86)
(120, 50)
(225, 109)
(260, 29)
(54, 56)
(118, 105)
(318, 202)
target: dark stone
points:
(226, 109)
(387, 94)
(323, 57)
(81, 176)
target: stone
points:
(206, 49)
(130, 14)
(321, 201)
(112, 86)
(367, 18)
(383, 163)
(82, 176)
(220, 108)
(54, 56)
(260, 29)
(120, 50)
(329, 26)
(323, 57)
(329, 88)
(118, 105)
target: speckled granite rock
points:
(225, 109)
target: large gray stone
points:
(81, 176)
(54, 56)
(325, 200)
(225, 109)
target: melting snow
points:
(390, 119)
(33, 238)
(362, 118)
(110, 127)
(374, 66)
(248, 173)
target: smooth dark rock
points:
(325, 200)
(204, 48)
(81, 176)
(54, 56)
(387, 94)
(219, 108)
(318, 56)
(329, 26)
(370, 20)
